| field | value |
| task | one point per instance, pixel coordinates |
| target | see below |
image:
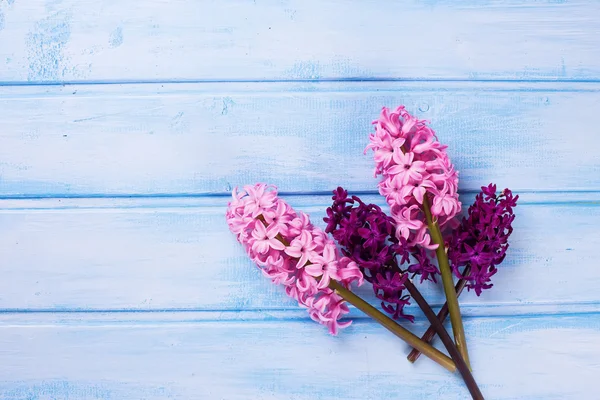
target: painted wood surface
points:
(81, 40)
(183, 356)
(208, 138)
(125, 125)
(165, 249)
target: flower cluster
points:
(481, 241)
(413, 164)
(292, 252)
(366, 235)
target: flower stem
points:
(441, 316)
(437, 326)
(403, 333)
(393, 327)
(453, 307)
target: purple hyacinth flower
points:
(481, 241)
(367, 235)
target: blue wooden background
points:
(124, 125)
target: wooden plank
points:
(141, 357)
(178, 254)
(207, 138)
(75, 40)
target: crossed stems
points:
(404, 334)
(437, 326)
(447, 281)
(436, 236)
(388, 323)
(441, 317)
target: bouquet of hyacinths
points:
(301, 257)
(420, 185)
(479, 245)
(422, 235)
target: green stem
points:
(394, 327)
(451, 298)
(437, 325)
(441, 316)
(404, 334)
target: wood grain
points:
(154, 40)
(207, 138)
(179, 254)
(124, 125)
(137, 356)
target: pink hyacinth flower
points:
(421, 170)
(325, 265)
(292, 252)
(302, 248)
(406, 168)
(264, 239)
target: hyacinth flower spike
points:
(420, 185)
(479, 245)
(292, 252)
(367, 236)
